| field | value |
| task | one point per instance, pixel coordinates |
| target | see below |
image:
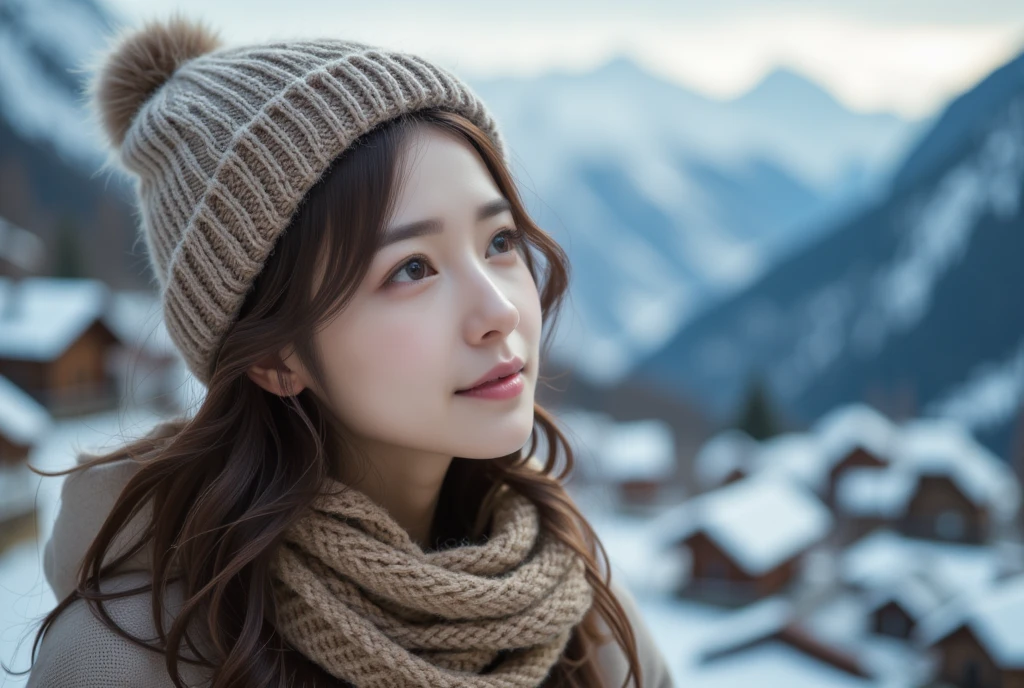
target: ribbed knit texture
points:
(227, 146)
(358, 597)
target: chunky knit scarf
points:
(359, 598)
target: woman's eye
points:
(510, 237)
(416, 267)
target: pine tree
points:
(67, 260)
(757, 416)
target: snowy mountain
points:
(667, 200)
(42, 44)
(50, 151)
(913, 305)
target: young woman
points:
(345, 263)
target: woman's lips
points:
(502, 388)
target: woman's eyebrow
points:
(436, 226)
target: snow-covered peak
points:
(783, 87)
(46, 48)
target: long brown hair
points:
(227, 483)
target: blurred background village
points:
(792, 361)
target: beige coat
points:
(80, 651)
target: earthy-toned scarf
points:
(359, 598)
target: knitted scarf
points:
(368, 605)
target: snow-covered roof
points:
(994, 615)
(20, 247)
(915, 592)
(725, 452)
(957, 569)
(41, 316)
(638, 450)
(761, 521)
(609, 450)
(136, 318)
(945, 448)
(22, 419)
(929, 447)
(845, 428)
(868, 492)
(795, 455)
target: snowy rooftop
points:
(22, 419)
(20, 247)
(638, 450)
(136, 318)
(848, 427)
(609, 450)
(41, 316)
(727, 451)
(996, 617)
(761, 521)
(946, 448)
(914, 591)
(956, 569)
(867, 492)
(797, 456)
(794, 455)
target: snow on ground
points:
(771, 665)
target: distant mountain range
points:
(915, 304)
(667, 200)
(49, 153)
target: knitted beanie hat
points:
(223, 143)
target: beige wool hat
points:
(223, 143)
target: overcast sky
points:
(906, 56)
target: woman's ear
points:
(269, 374)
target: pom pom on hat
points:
(139, 64)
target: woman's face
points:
(435, 313)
